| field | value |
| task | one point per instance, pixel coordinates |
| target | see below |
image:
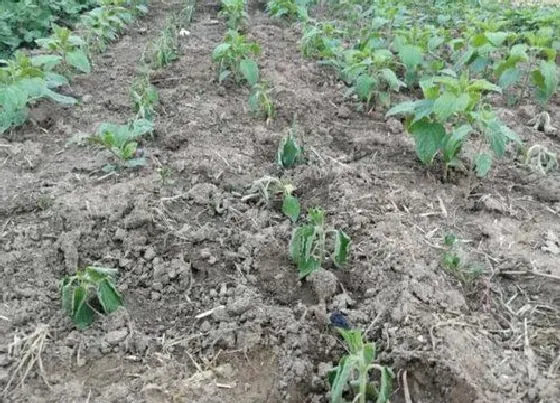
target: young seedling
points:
(68, 50)
(314, 242)
(271, 188)
(260, 103)
(235, 11)
(233, 57)
(166, 46)
(145, 97)
(121, 141)
(353, 374)
(453, 265)
(91, 290)
(457, 104)
(289, 151)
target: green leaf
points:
(140, 127)
(411, 55)
(404, 108)
(483, 85)
(79, 60)
(448, 104)
(55, 96)
(250, 71)
(482, 164)
(220, 50)
(545, 77)
(291, 207)
(289, 153)
(67, 289)
(129, 150)
(47, 62)
(82, 314)
(342, 375)
(452, 144)
(497, 38)
(341, 248)
(509, 77)
(365, 86)
(108, 296)
(428, 137)
(391, 78)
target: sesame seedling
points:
(270, 188)
(91, 290)
(352, 376)
(313, 243)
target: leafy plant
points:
(145, 97)
(23, 81)
(453, 265)
(233, 57)
(91, 290)
(67, 49)
(352, 375)
(289, 151)
(121, 141)
(105, 23)
(22, 22)
(292, 9)
(166, 46)
(456, 103)
(313, 242)
(271, 188)
(260, 103)
(235, 11)
(321, 40)
(370, 74)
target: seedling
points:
(91, 290)
(121, 141)
(260, 103)
(145, 97)
(271, 188)
(233, 57)
(455, 103)
(540, 159)
(23, 81)
(313, 242)
(235, 11)
(289, 151)
(453, 265)
(352, 376)
(68, 50)
(290, 9)
(166, 46)
(165, 174)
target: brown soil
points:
(193, 246)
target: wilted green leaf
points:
(341, 248)
(108, 296)
(291, 207)
(385, 386)
(82, 314)
(289, 152)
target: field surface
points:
(214, 308)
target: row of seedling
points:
(236, 59)
(25, 79)
(92, 291)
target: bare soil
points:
(193, 246)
